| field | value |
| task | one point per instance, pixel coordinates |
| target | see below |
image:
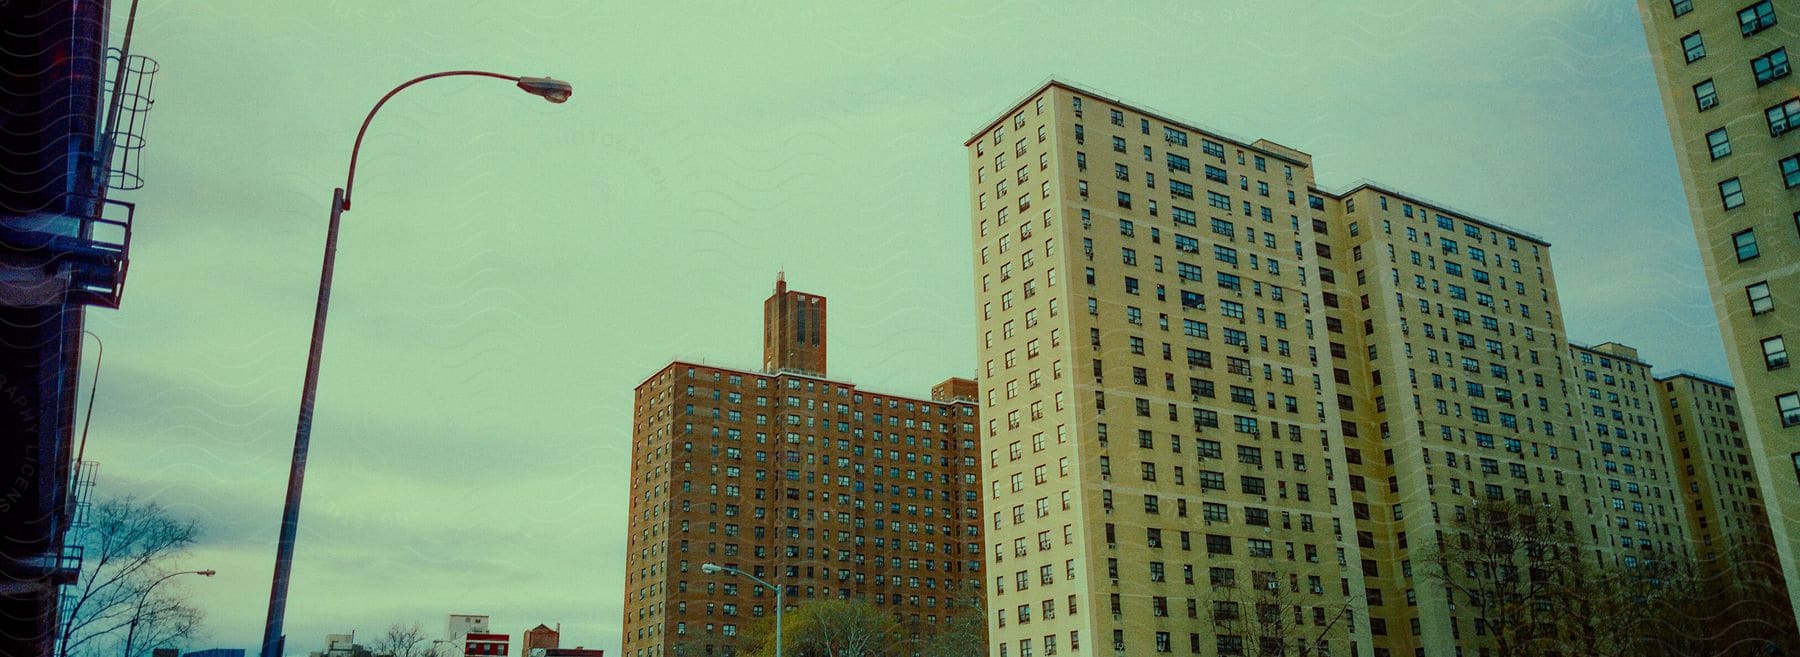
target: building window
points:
(1789, 407)
(1745, 243)
(1790, 170)
(1706, 95)
(1718, 143)
(1731, 193)
(1775, 352)
(1783, 117)
(1761, 301)
(1756, 18)
(1770, 67)
(1694, 46)
(1681, 7)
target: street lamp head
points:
(711, 568)
(207, 573)
(550, 89)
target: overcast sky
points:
(512, 268)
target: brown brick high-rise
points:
(809, 483)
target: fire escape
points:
(72, 118)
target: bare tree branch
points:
(129, 544)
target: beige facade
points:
(1199, 370)
(1446, 334)
(1732, 109)
(1713, 464)
(1636, 512)
(1163, 460)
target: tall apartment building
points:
(1732, 108)
(1446, 336)
(1641, 511)
(811, 483)
(1153, 373)
(1713, 465)
(1209, 366)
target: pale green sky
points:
(513, 268)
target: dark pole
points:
(290, 513)
(555, 91)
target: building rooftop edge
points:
(1595, 349)
(1393, 190)
(1671, 374)
(1053, 81)
(804, 375)
(1358, 184)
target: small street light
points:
(451, 642)
(131, 634)
(553, 90)
(714, 569)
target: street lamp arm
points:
(131, 634)
(350, 181)
(732, 570)
(751, 577)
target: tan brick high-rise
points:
(1446, 335)
(1200, 371)
(1724, 503)
(813, 484)
(1155, 429)
(1733, 107)
(1636, 512)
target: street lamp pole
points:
(452, 642)
(131, 634)
(555, 91)
(713, 568)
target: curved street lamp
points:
(714, 569)
(131, 634)
(550, 89)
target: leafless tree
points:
(1608, 611)
(128, 545)
(1734, 603)
(1270, 619)
(400, 640)
(1509, 561)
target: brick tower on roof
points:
(793, 331)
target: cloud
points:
(512, 269)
